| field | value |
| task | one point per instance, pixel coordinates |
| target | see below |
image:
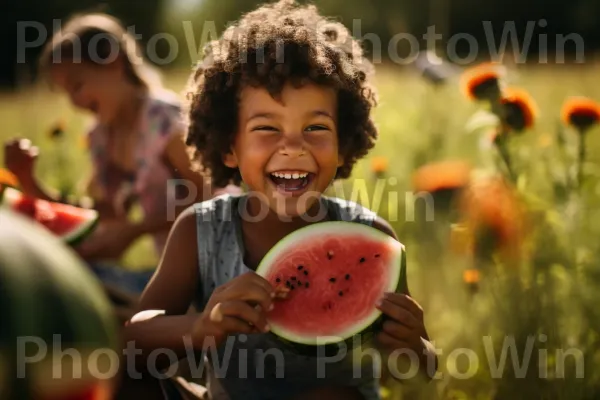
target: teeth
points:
(294, 175)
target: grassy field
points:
(546, 304)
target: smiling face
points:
(90, 87)
(287, 150)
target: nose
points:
(292, 145)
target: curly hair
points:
(277, 44)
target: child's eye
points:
(264, 128)
(315, 128)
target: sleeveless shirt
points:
(258, 366)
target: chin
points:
(304, 206)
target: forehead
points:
(291, 100)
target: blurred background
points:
(545, 299)
(385, 18)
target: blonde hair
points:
(93, 38)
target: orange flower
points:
(8, 178)
(521, 109)
(492, 211)
(482, 81)
(471, 276)
(379, 165)
(581, 112)
(453, 174)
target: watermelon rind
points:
(89, 221)
(363, 328)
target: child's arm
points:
(405, 327)
(171, 289)
(231, 308)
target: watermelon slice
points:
(68, 222)
(336, 272)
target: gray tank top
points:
(246, 366)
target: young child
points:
(137, 144)
(281, 103)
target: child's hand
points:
(239, 306)
(19, 158)
(405, 327)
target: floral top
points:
(153, 178)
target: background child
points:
(137, 144)
(302, 119)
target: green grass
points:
(420, 123)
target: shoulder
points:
(384, 226)
(352, 211)
(185, 224)
(347, 210)
(219, 209)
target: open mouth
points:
(291, 182)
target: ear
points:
(230, 159)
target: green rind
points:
(8, 194)
(362, 330)
(39, 274)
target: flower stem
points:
(501, 139)
(581, 159)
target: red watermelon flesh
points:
(66, 221)
(336, 272)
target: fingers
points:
(396, 330)
(243, 312)
(406, 302)
(398, 314)
(22, 146)
(251, 288)
(260, 281)
(388, 341)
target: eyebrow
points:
(271, 115)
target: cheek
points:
(325, 151)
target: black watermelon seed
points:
(329, 255)
(341, 293)
(299, 283)
(306, 284)
(300, 267)
(305, 272)
(331, 279)
(277, 280)
(293, 278)
(377, 255)
(287, 283)
(362, 259)
(292, 287)
(347, 276)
